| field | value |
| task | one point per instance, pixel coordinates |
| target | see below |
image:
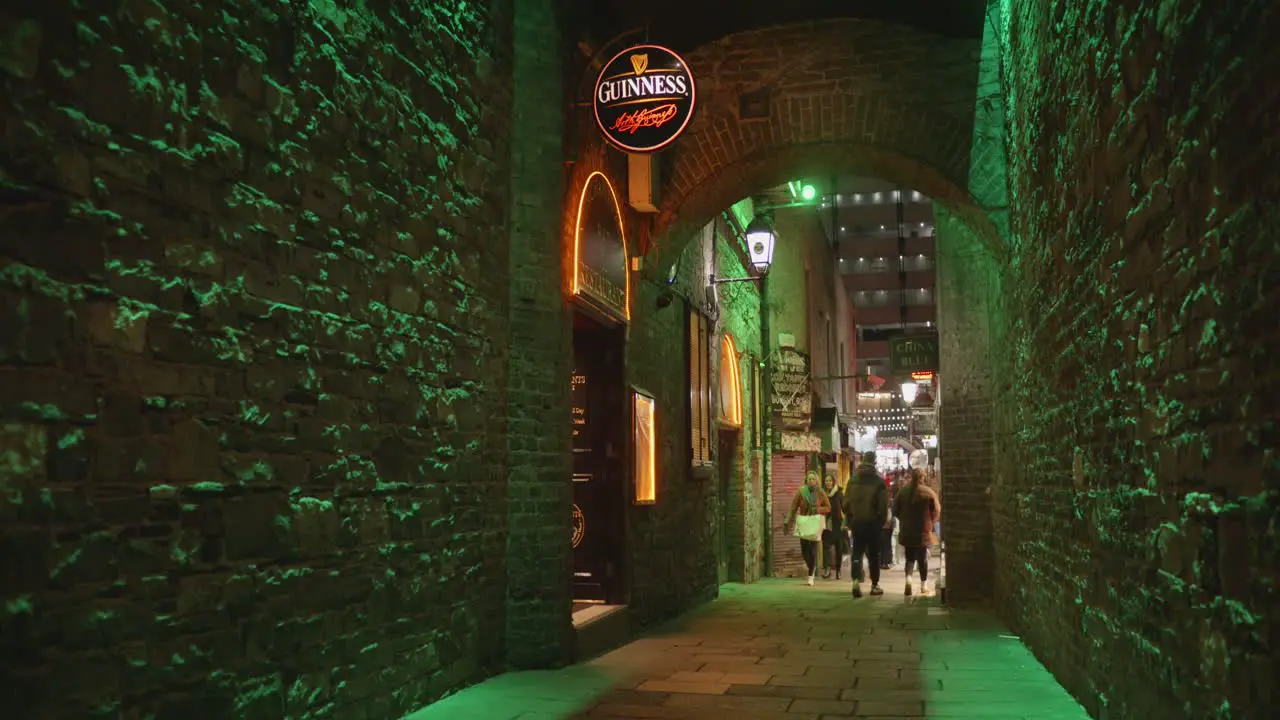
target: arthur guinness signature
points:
(653, 117)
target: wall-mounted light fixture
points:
(644, 444)
(760, 242)
(909, 390)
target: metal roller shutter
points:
(786, 476)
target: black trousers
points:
(809, 550)
(886, 547)
(918, 556)
(866, 543)
(833, 542)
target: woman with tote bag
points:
(807, 519)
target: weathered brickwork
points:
(738, 314)
(672, 542)
(968, 295)
(671, 545)
(252, 356)
(1135, 507)
(856, 95)
(539, 557)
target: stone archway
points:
(869, 98)
(847, 95)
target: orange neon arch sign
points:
(730, 383)
(579, 286)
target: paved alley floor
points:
(780, 649)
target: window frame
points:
(698, 366)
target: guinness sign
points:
(644, 98)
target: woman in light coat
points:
(809, 501)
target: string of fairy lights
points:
(884, 419)
(889, 420)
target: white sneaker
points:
(907, 590)
(924, 587)
(810, 581)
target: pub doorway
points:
(725, 468)
(600, 426)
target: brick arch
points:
(846, 96)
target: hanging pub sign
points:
(909, 354)
(644, 98)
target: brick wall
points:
(848, 95)
(539, 556)
(739, 316)
(253, 302)
(968, 293)
(1135, 517)
(672, 543)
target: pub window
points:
(730, 384)
(644, 447)
(700, 387)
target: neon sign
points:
(601, 278)
(644, 98)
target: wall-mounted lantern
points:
(909, 390)
(760, 242)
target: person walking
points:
(917, 508)
(809, 509)
(892, 482)
(835, 536)
(866, 512)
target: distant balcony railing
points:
(893, 298)
(892, 315)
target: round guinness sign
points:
(644, 98)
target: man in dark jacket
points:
(866, 512)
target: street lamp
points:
(909, 390)
(760, 241)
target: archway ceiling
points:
(687, 24)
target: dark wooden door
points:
(597, 461)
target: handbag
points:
(808, 527)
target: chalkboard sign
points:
(792, 397)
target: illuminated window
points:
(644, 447)
(730, 384)
(700, 388)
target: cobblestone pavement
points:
(780, 649)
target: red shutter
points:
(786, 476)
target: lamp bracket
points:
(718, 281)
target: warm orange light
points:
(730, 383)
(922, 376)
(644, 412)
(577, 239)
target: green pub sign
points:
(913, 353)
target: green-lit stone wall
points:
(671, 542)
(1137, 490)
(252, 322)
(968, 292)
(743, 511)
(540, 494)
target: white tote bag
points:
(809, 527)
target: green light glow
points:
(808, 192)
